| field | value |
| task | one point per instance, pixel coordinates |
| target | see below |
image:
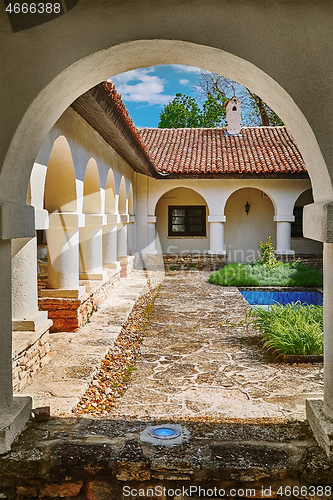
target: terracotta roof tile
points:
(202, 151)
(212, 151)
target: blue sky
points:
(145, 91)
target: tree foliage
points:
(208, 111)
(184, 112)
(254, 110)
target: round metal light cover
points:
(164, 432)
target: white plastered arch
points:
(58, 94)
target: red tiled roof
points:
(256, 150)
(110, 87)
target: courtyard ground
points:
(242, 415)
(199, 358)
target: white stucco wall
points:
(171, 244)
(86, 146)
(242, 232)
(153, 197)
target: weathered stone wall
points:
(210, 262)
(86, 459)
(213, 262)
(30, 354)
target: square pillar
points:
(216, 234)
(63, 255)
(110, 241)
(91, 248)
(14, 412)
(122, 237)
(26, 316)
(283, 234)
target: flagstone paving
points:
(199, 358)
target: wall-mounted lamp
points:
(247, 208)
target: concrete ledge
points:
(63, 293)
(217, 218)
(93, 276)
(321, 426)
(24, 339)
(32, 324)
(13, 422)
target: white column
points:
(131, 235)
(24, 286)
(216, 234)
(151, 234)
(91, 248)
(283, 234)
(122, 237)
(110, 241)
(63, 255)
(14, 412)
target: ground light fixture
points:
(247, 208)
(164, 434)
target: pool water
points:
(260, 297)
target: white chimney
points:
(233, 116)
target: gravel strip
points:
(110, 383)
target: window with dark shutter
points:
(187, 220)
(297, 225)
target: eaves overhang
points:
(103, 115)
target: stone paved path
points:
(75, 357)
(194, 363)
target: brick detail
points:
(68, 490)
(68, 315)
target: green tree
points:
(181, 112)
(184, 112)
(254, 110)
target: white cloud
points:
(140, 85)
(183, 81)
(185, 69)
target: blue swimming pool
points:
(260, 297)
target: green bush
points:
(292, 329)
(267, 255)
(259, 274)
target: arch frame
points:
(34, 125)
